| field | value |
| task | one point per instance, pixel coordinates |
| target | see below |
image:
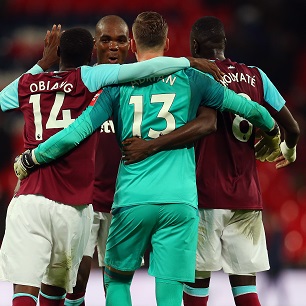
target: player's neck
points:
(148, 55)
(65, 67)
(219, 55)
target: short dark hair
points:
(150, 30)
(210, 30)
(76, 46)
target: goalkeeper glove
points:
(267, 148)
(288, 153)
(24, 163)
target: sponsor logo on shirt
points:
(94, 99)
(108, 127)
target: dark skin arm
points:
(136, 149)
(51, 43)
(269, 148)
(290, 130)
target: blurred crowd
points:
(268, 34)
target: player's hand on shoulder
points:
(51, 42)
(268, 146)
(208, 66)
(24, 164)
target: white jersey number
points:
(52, 122)
(167, 100)
(242, 136)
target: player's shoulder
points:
(229, 62)
(195, 73)
(112, 92)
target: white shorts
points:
(232, 240)
(98, 236)
(44, 242)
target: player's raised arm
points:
(9, 95)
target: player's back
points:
(148, 110)
(50, 102)
(226, 166)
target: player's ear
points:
(95, 46)
(133, 46)
(167, 44)
(196, 47)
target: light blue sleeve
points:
(35, 69)
(9, 94)
(90, 120)
(271, 94)
(109, 74)
(99, 76)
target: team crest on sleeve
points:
(94, 99)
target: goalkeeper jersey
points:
(149, 108)
(227, 176)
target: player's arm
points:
(291, 133)
(248, 109)
(288, 124)
(216, 96)
(136, 149)
(163, 65)
(50, 54)
(111, 74)
(9, 94)
(68, 138)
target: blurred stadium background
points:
(268, 34)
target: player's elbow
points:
(293, 130)
(296, 129)
(208, 128)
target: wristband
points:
(34, 157)
(288, 153)
(28, 159)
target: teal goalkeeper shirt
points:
(147, 108)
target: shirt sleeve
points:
(70, 137)
(248, 109)
(271, 94)
(110, 74)
(9, 94)
(35, 69)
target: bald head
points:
(112, 40)
(112, 20)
